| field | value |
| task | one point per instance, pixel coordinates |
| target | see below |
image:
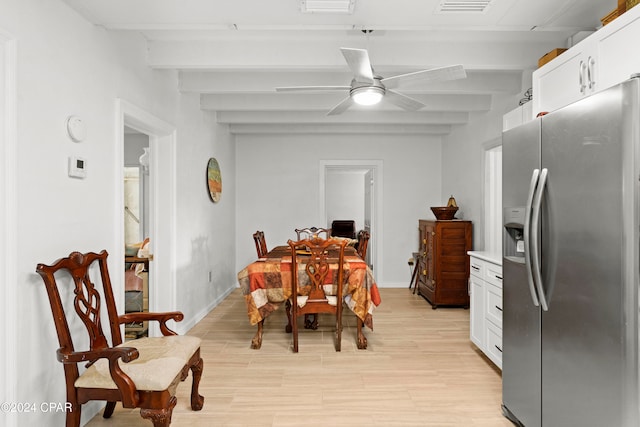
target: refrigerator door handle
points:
(527, 235)
(535, 222)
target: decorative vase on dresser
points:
(443, 262)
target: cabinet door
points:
(477, 327)
(563, 80)
(617, 52)
(430, 248)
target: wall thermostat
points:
(77, 167)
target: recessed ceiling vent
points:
(327, 6)
(463, 6)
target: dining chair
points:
(312, 232)
(363, 243)
(261, 244)
(141, 373)
(321, 287)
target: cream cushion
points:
(331, 299)
(161, 361)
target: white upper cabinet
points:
(600, 61)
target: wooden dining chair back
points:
(312, 232)
(319, 286)
(141, 373)
(363, 243)
(261, 243)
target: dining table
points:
(266, 285)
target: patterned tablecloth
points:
(266, 284)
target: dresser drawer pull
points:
(498, 308)
(475, 268)
(498, 277)
(499, 349)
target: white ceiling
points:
(234, 53)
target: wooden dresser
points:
(444, 262)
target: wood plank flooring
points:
(420, 370)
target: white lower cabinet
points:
(485, 288)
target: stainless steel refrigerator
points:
(571, 258)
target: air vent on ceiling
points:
(463, 6)
(327, 6)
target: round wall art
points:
(214, 180)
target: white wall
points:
(462, 162)
(346, 197)
(277, 189)
(68, 66)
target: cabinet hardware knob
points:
(424, 272)
(424, 241)
(433, 233)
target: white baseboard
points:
(184, 327)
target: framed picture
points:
(214, 180)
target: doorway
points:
(354, 188)
(136, 229)
(160, 217)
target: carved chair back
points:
(261, 243)
(363, 243)
(322, 289)
(312, 232)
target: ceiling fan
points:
(368, 88)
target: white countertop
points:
(491, 257)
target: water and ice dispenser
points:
(513, 244)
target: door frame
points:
(162, 204)
(375, 166)
(8, 219)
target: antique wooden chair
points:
(363, 243)
(312, 232)
(142, 373)
(261, 243)
(320, 290)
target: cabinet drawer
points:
(476, 267)
(493, 300)
(494, 344)
(493, 274)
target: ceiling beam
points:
(292, 53)
(224, 81)
(340, 128)
(326, 101)
(356, 117)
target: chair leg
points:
(160, 417)
(197, 401)
(108, 410)
(339, 330)
(288, 328)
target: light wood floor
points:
(420, 370)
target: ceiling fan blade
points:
(341, 107)
(403, 101)
(452, 72)
(310, 88)
(358, 61)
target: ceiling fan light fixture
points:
(367, 95)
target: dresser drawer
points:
(494, 344)
(476, 267)
(493, 299)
